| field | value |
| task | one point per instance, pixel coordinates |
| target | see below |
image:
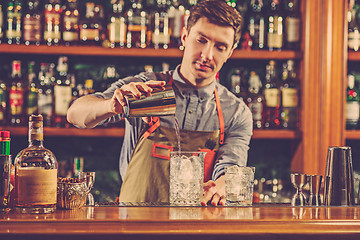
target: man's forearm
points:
(88, 111)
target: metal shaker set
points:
(338, 182)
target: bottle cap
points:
(4, 134)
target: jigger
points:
(339, 179)
(315, 187)
(298, 180)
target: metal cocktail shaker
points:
(339, 179)
(160, 103)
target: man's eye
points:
(201, 40)
(221, 48)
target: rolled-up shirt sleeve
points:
(239, 130)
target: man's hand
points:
(134, 89)
(214, 192)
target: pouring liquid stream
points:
(177, 133)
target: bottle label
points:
(63, 97)
(290, 97)
(52, 25)
(272, 97)
(352, 111)
(32, 28)
(275, 34)
(69, 36)
(292, 29)
(45, 104)
(354, 40)
(36, 186)
(70, 32)
(16, 97)
(256, 110)
(89, 34)
(117, 30)
(275, 40)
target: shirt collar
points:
(186, 89)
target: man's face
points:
(207, 48)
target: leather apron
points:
(148, 174)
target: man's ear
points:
(184, 35)
(230, 53)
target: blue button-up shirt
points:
(195, 110)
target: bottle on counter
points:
(70, 26)
(52, 22)
(289, 96)
(272, 97)
(62, 93)
(13, 22)
(16, 96)
(255, 100)
(35, 173)
(32, 31)
(352, 113)
(275, 29)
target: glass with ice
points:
(239, 185)
(186, 178)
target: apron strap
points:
(154, 124)
(221, 118)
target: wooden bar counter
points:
(163, 222)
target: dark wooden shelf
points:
(352, 134)
(136, 52)
(118, 132)
(353, 56)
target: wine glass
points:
(298, 180)
(89, 179)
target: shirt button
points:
(190, 111)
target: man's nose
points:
(207, 53)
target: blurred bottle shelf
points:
(118, 132)
(353, 56)
(352, 134)
(138, 52)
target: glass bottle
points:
(31, 91)
(117, 25)
(13, 22)
(45, 94)
(292, 25)
(62, 93)
(52, 22)
(353, 26)
(289, 96)
(16, 95)
(90, 27)
(255, 100)
(1, 22)
(3, 100)
(137, 27)
(256, 24)
(36, 173)
(352, 113)
(272, 97)
(161, 34)
(32, 23)
(275, 34)
(70, 27)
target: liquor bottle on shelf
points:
(16, 96)
(235, 81)
(272, 97)
(70, 27)
(289, 96)
(137, 27)
(90, 27)
(255, 100)
(32, 32)
(78, 166)
(1, 22)
(45, 95)
(275, 33)
(35, 173)
(117, 24)
(292, 24)
(62, 94)
(256, 24)
(352, 113)
(176, 13)
(161, 34)
(31, 91)
(52, 22)
(353, 26)
(13, 22)
(3, 100)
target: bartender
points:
(210, 117)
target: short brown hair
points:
(217, 12)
